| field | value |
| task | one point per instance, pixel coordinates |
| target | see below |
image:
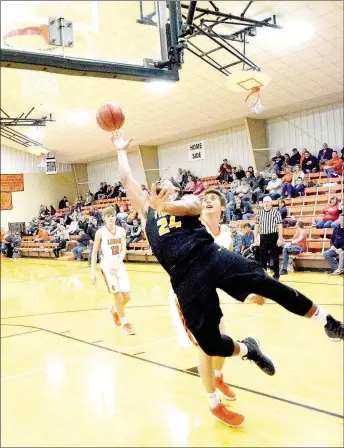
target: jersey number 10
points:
(165, 226)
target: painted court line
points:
(158, 341)
(32, 372)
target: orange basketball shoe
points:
(226, 416)
(224, 389)
(128, 329)
(115, 316)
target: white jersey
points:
(111, 246)
(224, 239)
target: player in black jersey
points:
(197, 267)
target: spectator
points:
(274, 187)
(268, 235)
(236, 238)
(200, 188)
(251, 171)
(42, 235)
(83, 243)
(230, 205)
(91, 232)
(296, 246)
(82, 222)
(225, 172)
(268, 173)
(248, 177)
(287, 179)
(282, 209)
(61, 238)
(101, 192)
(278, 161)
(122, 192)
(132, 215)
(73, 228)
(248, 248)
(191, 185)
(122, 215)
(244, 191)
(240, 173)
(247, 210)
(236, 183)
(52, 211)
(96, 214)
(63, 203)
(325, 154)
(334, 167)
(341, 211)
(295, 158)
(135, 234)
(286, 161)
(79, 203)
(257, 186)
(310, 163)
(89, 199)
(297, 172)
(9, 242)
(330, 214)
(337, 248)
(179, 177)
(303, 156)
(238, 210)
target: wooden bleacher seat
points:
(297, 201)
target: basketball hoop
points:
(252, 82)
(42, 31)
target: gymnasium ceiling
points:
(303, 75)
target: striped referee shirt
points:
(268, 221)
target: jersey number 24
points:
(165, 226)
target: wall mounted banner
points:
(196, 151)
(12, 182)
(6, 201)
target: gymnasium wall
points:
(230, 143)
(38, 187)
(307, 129)
(106, 170)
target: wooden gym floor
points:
(70, 378)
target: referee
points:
(268, 235)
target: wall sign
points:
(12, 182)
(196, 151)
(6, 201)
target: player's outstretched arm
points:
(96, 245)
(133, 188)
(187, 206)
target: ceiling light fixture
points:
(294, 32)
(157, 87)
(78, 117)
(36, 133)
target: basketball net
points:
(253, 101)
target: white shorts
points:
(117, 280)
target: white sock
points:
(320, 315)
(243, 349)
(213, 400)
(218, 373)
(124, 320)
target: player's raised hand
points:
(158, 200)
(120, 143)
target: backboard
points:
(91, 38)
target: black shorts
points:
(196, 287)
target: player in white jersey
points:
(111, 240)
(210, 367)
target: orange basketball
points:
(110, 117)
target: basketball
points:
(110, 117)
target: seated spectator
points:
(83, 242)
(297, 172)
(295, 158)
(257, 186)
(61, 238)
(236, 238)
(43, 212)
(341, 211)
(179, 177)
(52, 211)
(225, 172)
(268, 173)
(282, 209)
(310, 163)
(248, 177)
(337, 248)
(325, 154)
(278, 161)
(334, 167)
(101, 192)
(122, 215)
(89, 199)
(240, 173)
(236, 183)
(73, 228)
(330, 214)
(274, 187)
(230, 202)
(286, 161)
(79, 203)
(122, 192)
(244, 191)
(295, 246)
(132, 215)
(238, 210)
(248, 248)
(287, 180)
(251, 171)
(303, 156)
(91, 232)
(200, 188)
(109, 192)
(63, 203)
(191, 185)
(42, 235)
(135, 233)
(247, 210)
(82, 222)
(33, 229)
